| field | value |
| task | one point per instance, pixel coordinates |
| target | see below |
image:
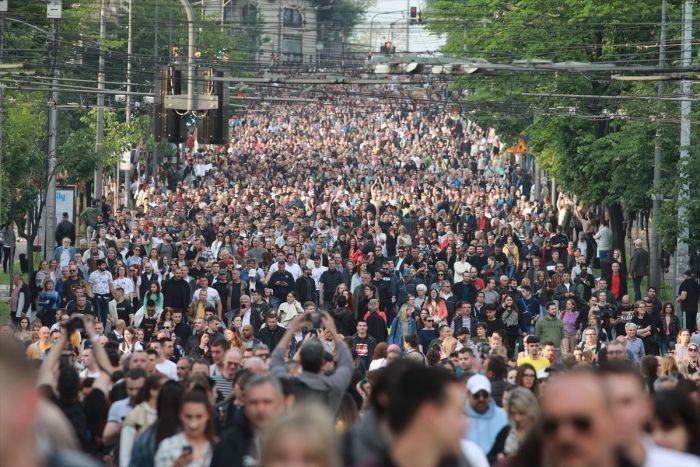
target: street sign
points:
(519, 148)
(54, 9)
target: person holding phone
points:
(193, 446)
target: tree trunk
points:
(616, 218)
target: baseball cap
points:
(478, 383)
(693, 344)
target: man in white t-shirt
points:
(165, 348)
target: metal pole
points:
(170, 31)
(2, 105)
(100, 127)
(155, 145)
(129, 51)
(50, 219)
(684, 195)
(408, 23)
(279, 32)
(655, 244)
(190, 53)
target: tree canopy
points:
(597, 146)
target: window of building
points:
(291, 18)
(291, 48)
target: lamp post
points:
(371, 23)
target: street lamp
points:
(371, 23)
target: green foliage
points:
(598, 148)
(23, 168)
(340, 16)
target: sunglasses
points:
(580, 423)
(481, 395)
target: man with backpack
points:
(312, 384)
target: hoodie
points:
(483, 428)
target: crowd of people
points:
(361, 282)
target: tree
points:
(599, 148)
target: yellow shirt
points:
(540, 363)
(37, 350)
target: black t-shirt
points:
(87, 418)
(690, 304)
(148, 325)
(124, 309)
(425, 337)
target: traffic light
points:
(387, 48)
(413, 14)
(167, 123)
(212, 128)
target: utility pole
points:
(408, 22)
(50, 215)
(684, 193)
(129, 50)
(100, 126)
(655, 246)
(157, 63)
(2, 99)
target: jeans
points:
(602, 254)
(510, 269)
(664, 343)
(637, 282)
(6, 257)
(101, 304)
(275, 302)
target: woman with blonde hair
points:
(523, 411)
(668, 366)
(302, 435)
(403, 325)
(448, 346)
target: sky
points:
(382, 29)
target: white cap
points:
(478, 383)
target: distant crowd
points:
(364, 280)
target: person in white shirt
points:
(316, 272)
(165, 348)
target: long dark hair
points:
(673, 408)
(199, 396)
(169, 402)
(152, 382)
(521, 372)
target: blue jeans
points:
(275, 302)
(602, 254)
(664, 343)
(637, 282)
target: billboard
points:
(65, 202)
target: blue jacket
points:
(483, 428)
(395, 335)
(59, 249)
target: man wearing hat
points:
(101, 281)
(688, 297)
(639, 267)
(486, 419)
